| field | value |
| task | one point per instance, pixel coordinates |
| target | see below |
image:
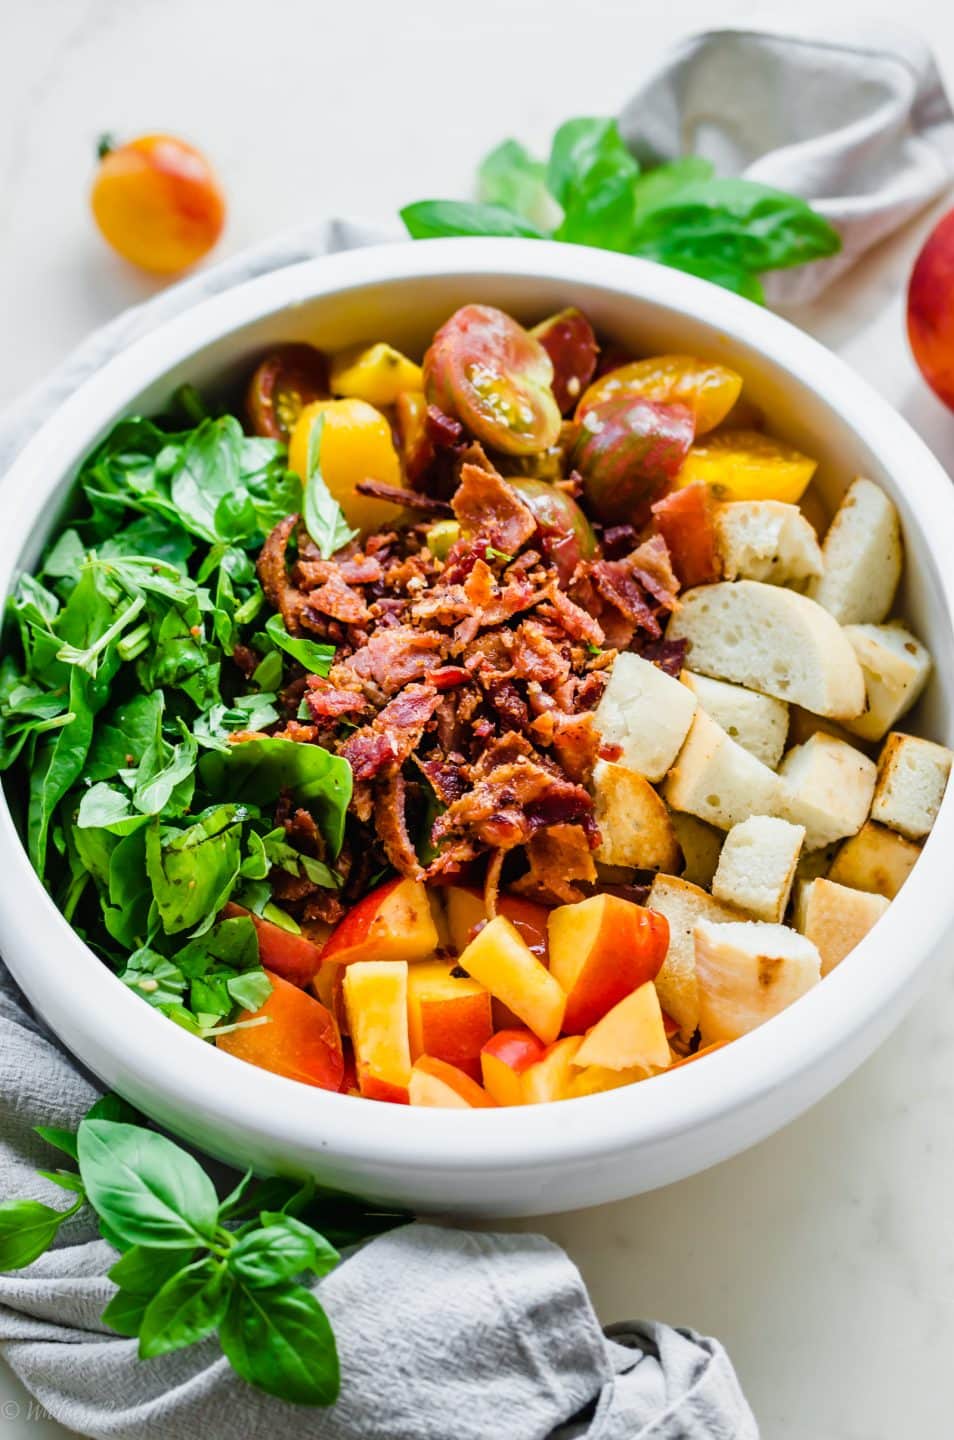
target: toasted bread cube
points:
(647, 713)
(757, 866)
(716, 780)
(827, 786)
(861, 557)
(701, 845)
(835, 918)
(756, 721)
(876, 859)
(635, 826)
(767, 540)
(683, 904)
(747, 972)
(912, 778)
(896, 667)
(772, 640)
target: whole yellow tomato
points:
(157, 202)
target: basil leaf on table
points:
(280, 1341)
(64, 1140)
(279, 1251)
(323, 517)
(432, 219)
(315, 657)
(187, 1309)
(148, 1190)
(27, 1228)
(591, 174)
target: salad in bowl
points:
(490, 727)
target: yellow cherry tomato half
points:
(356, 444)
(376, 373)
(709, 390)
(746, 465)
(158, 203)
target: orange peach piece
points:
(394, 922)
(327, 984)
(466, 913)
(375, 994)
(602, 949)
(551, 1076)
(294, 957)
(499, 960)
(631, 1034)
(435, 1083)
(300, 1040)
(449, 1016)
(503, 1061)
(595, 1079)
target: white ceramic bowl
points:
(550, 1157)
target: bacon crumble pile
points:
(462, 691)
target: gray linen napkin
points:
(446, 1332)
(442, 1332)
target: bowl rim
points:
(103, 1016)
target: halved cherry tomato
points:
(709, 390)
(571, 345)
(746, 465)
(287, 380)
(491, 374)
(628, 451)
(566, 535)
(157, 202)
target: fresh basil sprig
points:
(192, 1265)
(323, 516)
(592, 192)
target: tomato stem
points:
(105, 145)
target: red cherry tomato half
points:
(496, 378)
(627, 452)
(566, 536)
(571, 345)
(285, 382)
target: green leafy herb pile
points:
(140, 817)
(592, 192)
(191, 1265)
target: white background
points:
(824, 1259)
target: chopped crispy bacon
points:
(393, 735)
(353, 569)
(536, 657)
(328, 702)
(669, 655)
(246, 660)
(337, 599)
(397, 656)
(448, 677)
(412, 499)
(390, 821)
(577, 623)
(273, 573)
(485, 504)
(447, 778)
(558, 856)
(510, 802)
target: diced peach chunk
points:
(394, 922)
(631, 1034)
(503, 1061)
(500, 961)
(601, 949)
(595, 1079)
(550, 1077)
(300, 1039)
(435, 1083)
(466, 913)
(294, 957)
(375, 994)
(449, 1016)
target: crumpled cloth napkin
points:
(443, 1331)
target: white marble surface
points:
(824, 1258)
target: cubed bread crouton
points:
(635, 825)
(827, 787)
(767, 540)
(716, 780)
(861, 558)
(772, 640)
(645, 712)
(876, 859)
(683, 904)
(757, 866)
(912, 778)
(700, 845)
(756, 721)
(747, 972)
(896, 667)
(835, 918)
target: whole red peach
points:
(931, 309)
